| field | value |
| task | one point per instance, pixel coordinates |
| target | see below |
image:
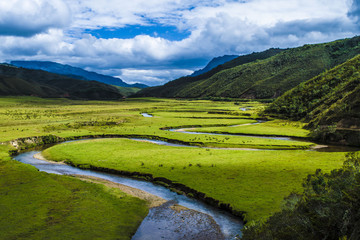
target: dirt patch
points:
(41, 157)
(319, 147)
(153, 201)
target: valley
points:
(179, 120)
(245, 175)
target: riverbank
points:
(166, 219)
(255, 182)
(202, 219)
(233, 180)
(37, 205)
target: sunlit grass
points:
(37, 205)
(251, 181)
(275, 127)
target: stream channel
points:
(197, 221)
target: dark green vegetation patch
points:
(330, 103)
(25, 82)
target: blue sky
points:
(155, 30)
(154, 41)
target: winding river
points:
(196, 221)
(200, 219)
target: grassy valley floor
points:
(251, 181)
(37, 205)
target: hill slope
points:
(24, 82)
(171, 89)
(74, 72)
(213, 64)
(266, 78)
(330, 103)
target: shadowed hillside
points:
(74, 72)
(25, 82)
(330, 103)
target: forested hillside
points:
(261, 75)
(170, 89)
(330, 102)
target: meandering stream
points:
(184, 130)
(162, 222)
(198, 221)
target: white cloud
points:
(217, 28)
(30, 17)
(152, 77)
(113, 13)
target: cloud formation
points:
(61, 31)
(29, 17)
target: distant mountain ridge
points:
(74, 72)
(214, 63)
(262, 75)
(15, 81)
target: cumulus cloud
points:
(216, 28)
(354, 11)
(30, 17)
(113, 13)
(152, 77)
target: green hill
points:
(330, 103)
(127, 91)
(261, 75)
(26, 82)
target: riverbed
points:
(195, 221)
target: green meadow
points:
(254, 181)
(271, 128)
(37, 205)
(251, 181)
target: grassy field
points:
(37, 205)
(276, 127)
(252, 181)
(34, 117)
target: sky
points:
(155, 41)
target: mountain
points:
(213, 64)
(16, 81)
(127, 91)
(74, 72)
(329, 102)
(171, 89)
(261, 75)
